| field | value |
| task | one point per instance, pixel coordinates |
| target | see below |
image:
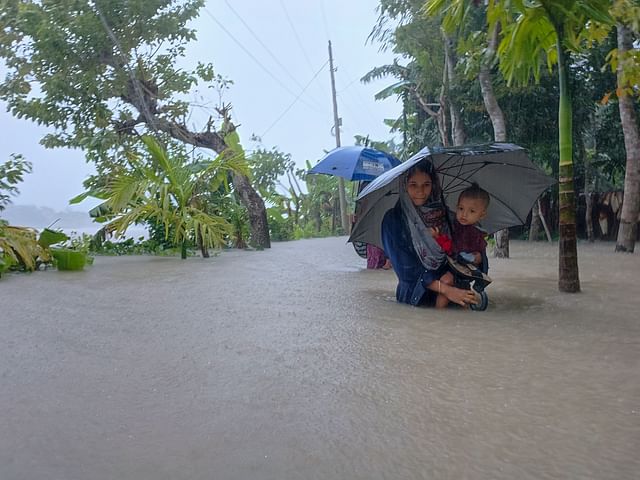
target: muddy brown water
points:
(296, 363)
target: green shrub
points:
(280, 228)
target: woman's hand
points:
(459, 296)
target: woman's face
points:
(419, 188)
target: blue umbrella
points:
(355, 163)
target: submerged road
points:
(296, 363)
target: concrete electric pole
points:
(336, 125)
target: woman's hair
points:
(425, 166)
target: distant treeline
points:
(40, 217)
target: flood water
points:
(296, 363)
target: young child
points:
(468, 238)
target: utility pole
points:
(336, 125)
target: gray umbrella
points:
(502, 169)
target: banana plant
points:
(168, 190)
(23, 248)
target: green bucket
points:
(69, 259)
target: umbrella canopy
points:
(355, 163)
(504, 170)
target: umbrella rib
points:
(463, 182)
(510, 209)
(453, 177)
(484, 163)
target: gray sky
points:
(275, 51)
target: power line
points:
(359, 103)
(324, 20)
(294, 102)
(284, 68)
(295, 33)
(348, 85)
(297, 37)
(257, 61)
(360, 99)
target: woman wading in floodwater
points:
(408, 238)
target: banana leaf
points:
(49, 237)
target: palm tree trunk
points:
(588, 198)
(459, 136)
(491, 104)
(588, 215)
(442, 118)
(631, 201)
(488, 95)
(501, 249)
(203, 248)
(534, 228)
(544, 222)
(568, 277)
(441, 115)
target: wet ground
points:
(296, 363)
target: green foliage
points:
(281, 228)
(238, 219)
(11, 173)
(610, 155)
(530, 33)
(318, 207)
(156, 244)
(403, 27)
(78, 243)
(158, 235)
(267, 166)
(65, 49)
(50, 237)
(171, 192)
(20, 244)
(128, 246)
(627, 13)
(310, 231)
(270, 170)
(22, 249)
(98, 73)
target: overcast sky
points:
(275, 51)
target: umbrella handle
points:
(446, 211)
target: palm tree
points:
(628, 231)
(429, 80)
(170, 192)
(551, 29)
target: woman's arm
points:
(402, 258)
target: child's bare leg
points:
(441, 300)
